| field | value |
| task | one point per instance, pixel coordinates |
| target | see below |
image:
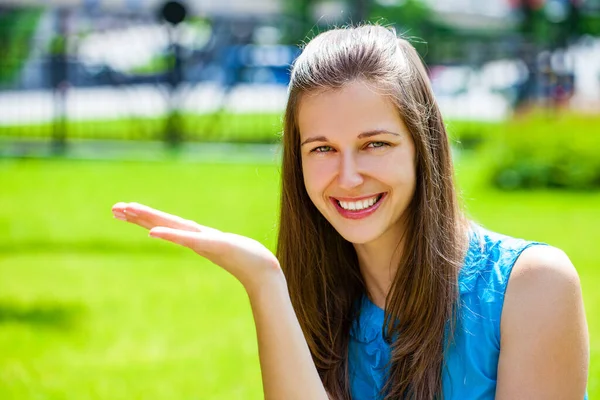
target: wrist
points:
(272, 284)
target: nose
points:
(349, 176)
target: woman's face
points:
(358, 160)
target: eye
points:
(376, 145)
(321, 149)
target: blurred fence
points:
(118, 82)
(72, 74)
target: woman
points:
(381, 288)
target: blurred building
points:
(117, 56)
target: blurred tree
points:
(435, 39)
(17, 27)
(361, 9)
(553, 23)
(588, 17)
(300, 11)
(412, 18)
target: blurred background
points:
(178, 106)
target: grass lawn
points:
(91, 308)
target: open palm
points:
(245, 258)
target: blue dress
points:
(471, 362)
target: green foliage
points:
(546, 151)
(470, 135)
(590, 25)
(58, 46)
(215, 127)
(229, 127)
(412, 19)
(540, 150)
(157, 64)
(300, 23)
(16, 30)
(434, 38)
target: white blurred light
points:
(328, 12)
(501, 74)
(124, 49)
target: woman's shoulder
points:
(543, 277)
(500, 268)
(544, 262)
(490, 259)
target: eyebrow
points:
(360, 136)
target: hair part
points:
(322, 268)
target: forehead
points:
(354, 108)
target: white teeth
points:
(358, 205)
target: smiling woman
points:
(381, 287)
(356, 149)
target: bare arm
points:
(288, 371)
(544, 351)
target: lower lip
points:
(358, 214)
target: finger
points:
(203, 243)
(148, 217)
(136, 214)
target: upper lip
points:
(355, 198)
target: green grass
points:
(91, 308)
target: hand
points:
(246, 259)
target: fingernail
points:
(151, 235)
(119, 215)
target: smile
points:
(360, 208)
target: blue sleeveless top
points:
(471, 361)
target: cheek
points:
(317, 176)
(399, 171)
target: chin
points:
(358, 236)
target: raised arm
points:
(544, 350)
(288, 371)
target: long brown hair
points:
(321, 267)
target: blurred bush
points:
(470, 135)
(215, 127)
(16, 31)
(543, 150)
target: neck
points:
(378, 261)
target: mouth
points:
(359, 208)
